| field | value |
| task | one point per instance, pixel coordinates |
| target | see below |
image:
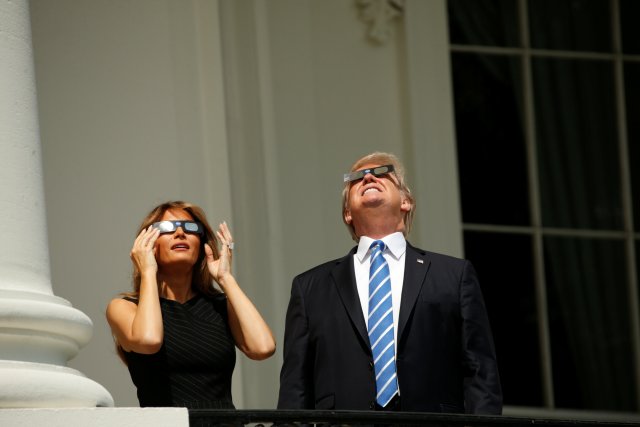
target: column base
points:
(38, 335)
(40, 385)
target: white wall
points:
(253, 109)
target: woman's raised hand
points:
(220, 267)
(143, 254)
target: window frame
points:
(536, 230)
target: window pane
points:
(577, 144)
(583, 25)
(632, 96)
(491, 149)
(591, 348)
(508, 287)
(629, 13)
(483, 22)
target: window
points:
(547, 95)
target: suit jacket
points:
(445, 355)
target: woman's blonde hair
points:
(202, 280)
(381, 159)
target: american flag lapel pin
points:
(420, 261)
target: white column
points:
(39, 332)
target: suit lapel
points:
(344, 277)
(415, 271)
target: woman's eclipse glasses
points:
(191, 227)
(377, 171)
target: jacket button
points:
(372, 405)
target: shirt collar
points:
(395, 243)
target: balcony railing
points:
(358, 418)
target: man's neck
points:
(378, 227)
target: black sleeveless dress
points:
(194, 366)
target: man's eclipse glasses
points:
(377, 172)
(191, 227)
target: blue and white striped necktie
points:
(380, 325)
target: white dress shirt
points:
(394, 253)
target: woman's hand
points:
(138, 327)
(143, 254)
(220, 268)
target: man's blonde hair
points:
(381, 159)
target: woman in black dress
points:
(175, 331)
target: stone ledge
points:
(95, 417)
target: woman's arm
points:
(250, 332)
(138, 327)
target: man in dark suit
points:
(388, 326)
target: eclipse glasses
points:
(377, 172)
(191, 227)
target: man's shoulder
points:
(436, 257)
